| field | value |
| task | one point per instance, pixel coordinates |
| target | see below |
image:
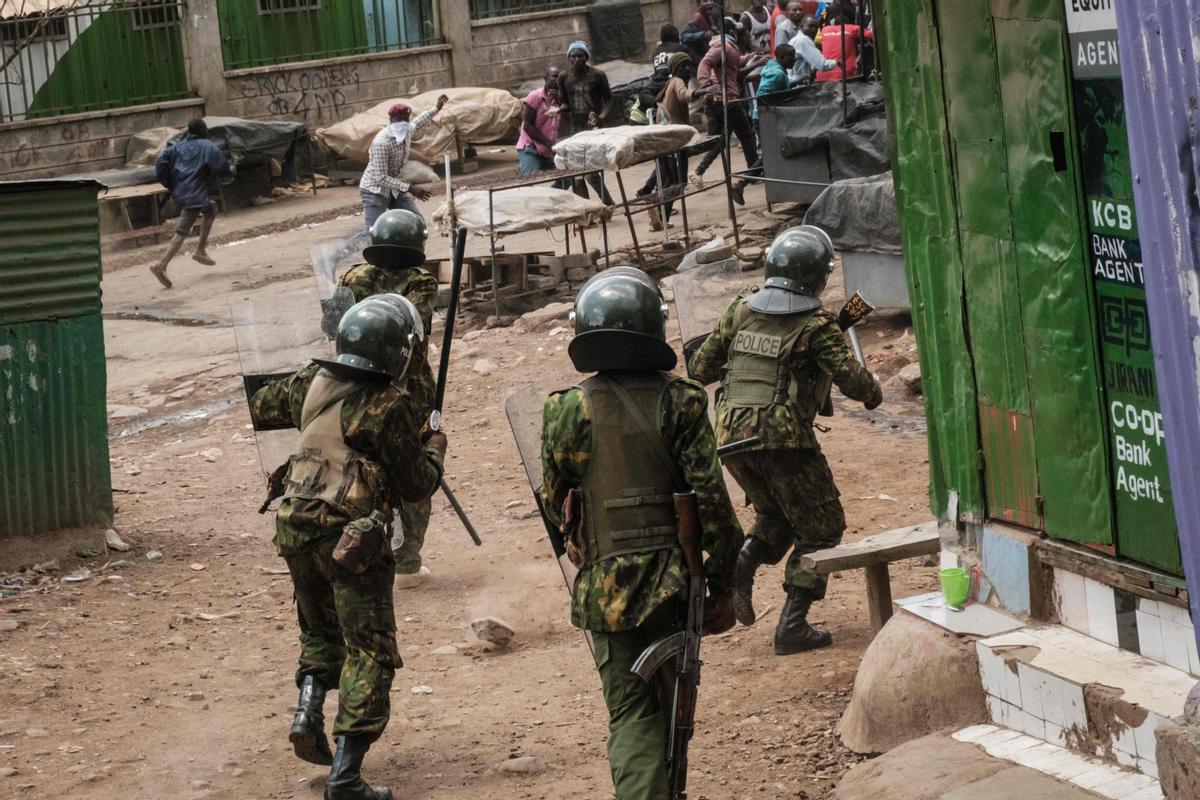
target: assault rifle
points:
(681, 650)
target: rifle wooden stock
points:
(687, 674)
(687, 520)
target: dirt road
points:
(172, 677)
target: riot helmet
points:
(375, 339)
(798, 265)
(397, 240)
(620, 324)
(405, 305)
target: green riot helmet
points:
(375, 339)
(405, 305)
(397, 240)
(620, 324)
(798, 265)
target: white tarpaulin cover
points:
(620, 147)
(475, 115)
(527, 208)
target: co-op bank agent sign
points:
(1092, 26)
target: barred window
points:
(149, 14)
(39, 26)
(282, 6)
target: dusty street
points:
(172, 676)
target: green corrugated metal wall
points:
(993, 239)
(253, 39)
(112, 65)
(924, 192)
(53, 423)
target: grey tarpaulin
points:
(859, 214)
(813, 119)
(261, 140)
(617, 30)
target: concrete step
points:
(941, 767)
(1093, 776)
(1064, 688)
(1074, 691)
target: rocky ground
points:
(166, 669)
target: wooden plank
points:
(893, 545)
(879, 595)
(1133, 578)
(126, 192)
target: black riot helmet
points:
(375, 339)
(397, 240)
(620, 324)
(798, 265)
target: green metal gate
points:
(984, 146)
(53, 422)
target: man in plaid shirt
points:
(381, 186)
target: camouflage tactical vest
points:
(627, 494)
(325, 467)
(757, 375)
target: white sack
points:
(144, 146)
(474, 114)
(527, 208)
(620, 147)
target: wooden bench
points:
(154, 195)
(873, 554)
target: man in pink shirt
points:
(710, 75)
(539, 126)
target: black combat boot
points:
(794, 634)
(755, 552)
(345, 777)
(308, 726)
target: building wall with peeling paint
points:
(54, 466)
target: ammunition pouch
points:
(363, 543)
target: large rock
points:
(911, 377)
(1178, 752)
(940, 768)
(914, 679)
(543, 317)
(494, 630)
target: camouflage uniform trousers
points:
(347, 634)
(796, 506)
(637, 715)
(414, 517)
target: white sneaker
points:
(411, 580)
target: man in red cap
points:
(381, 187)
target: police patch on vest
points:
(757, 344)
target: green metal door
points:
(1060, 352)
(1024, 271)
(975, 122)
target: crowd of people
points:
(715, 66)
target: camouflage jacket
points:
(620, 592)
(419, 287)
(380, 422)
(826, 352)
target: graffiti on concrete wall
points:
(318, 93)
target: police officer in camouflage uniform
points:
(394, 257)
(632, 578)
(776, 353)
(360, 454)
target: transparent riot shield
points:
(276, 334)
(524, 409)
(702, 294)
(329, 260)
